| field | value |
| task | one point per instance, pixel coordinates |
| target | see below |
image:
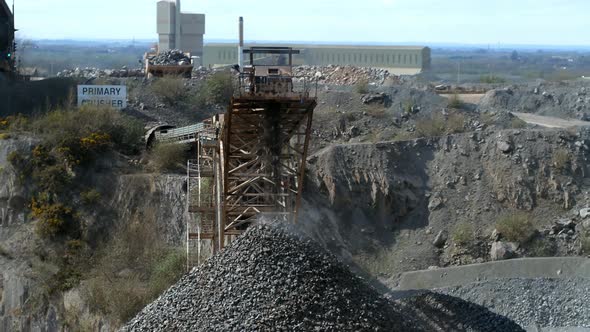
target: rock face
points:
(126, 198)
(398, 189)
(271, 279)
(12, 201)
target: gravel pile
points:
(272, 280)
(170, 58)
(99, 73)
(530, 302)
(567, 100)
(344, 75)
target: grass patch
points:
(362, 86)
(216, 90)
(463, 234)
(438, 125)
(90, 197)
(541, 247)
(561, 159)
(168, 157)
(516, 227)
(455, 102)
(134, 268)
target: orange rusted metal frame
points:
(265, 143)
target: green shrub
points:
(408, 105)
(362, 86)
(132, 269)
(90, 197)
(219, 88)
(541, 247)
(516, 227)
(166, 271)
(4, 136)
(168, 157)
(455, 123)
(561, 159)
(54, 219)
(455, 102)
(463, 234)
(170, 89)
(66, 129)
(438, 125)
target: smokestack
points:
(178, 21)
(241, 45)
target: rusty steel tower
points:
(251, 159)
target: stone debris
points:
(170, 58)
(272, 280)
(532, 302)
(503, 250)
(565, 100)
(375, 98)
(440, 240)
(100, 73)
(345, 75)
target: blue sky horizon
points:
(460, 22)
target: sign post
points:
(114, 96)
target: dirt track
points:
(550, 122)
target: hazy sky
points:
(547, 22)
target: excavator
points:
(7, 43)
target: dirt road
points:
(550, 122)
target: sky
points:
(494, 22)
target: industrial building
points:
(178, 30)
(400, 60)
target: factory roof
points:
(327, 46)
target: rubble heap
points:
(344, 75)
(100, 73)
(272, 280)
(170, 58)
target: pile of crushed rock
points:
(344, 75)
(272, 280)
(533, 302)
(565, 100)
(170, 58)
(100, 73)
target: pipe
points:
(178, 21)
(241, 45)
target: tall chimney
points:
(178, 21)
(241, 44)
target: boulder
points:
(503, 250)
(440, 239)
(584, 213)
(435, 203)
(504, 146)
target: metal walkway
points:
(184, 135)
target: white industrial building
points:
(178, 30)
